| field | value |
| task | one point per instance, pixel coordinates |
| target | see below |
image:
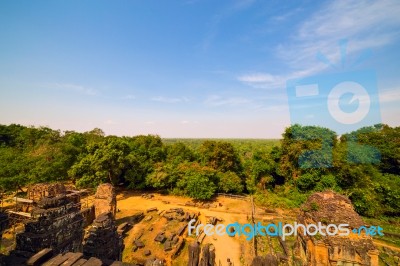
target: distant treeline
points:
(364, 164)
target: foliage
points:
(281, 197)
(304, 148)
(197, 181)
(104, 162)
(363, 164)
(220, 155)
(179, 152)
(229, 182)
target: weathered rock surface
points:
(57, 224)
(208, 256)
(268, 260)
(194, 254)
(46, 257)
(45, 190)
(105, 200)
(154, 262)
(103, 240)
(331, 208)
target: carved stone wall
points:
(57, 224)
(331, 208)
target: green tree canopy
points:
(220, 155)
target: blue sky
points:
(186, 68)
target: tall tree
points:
(104, 162)
(221, 156)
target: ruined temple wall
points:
(41, 190)
(103, 241)
(333, 250)
(59, 228)
(88, 216)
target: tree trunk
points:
(110, 178)
(20, 189)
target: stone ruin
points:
(37, 192)
(57, 224)
(178, 214)
(103, 241)
(105, 200)
(3, 223)
(154, 262)
(47, 257)
(55, 230)
(45, 190)
(332, 208)
(207, 256)
(172, 242)
(268, 260)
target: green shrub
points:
(281, 197)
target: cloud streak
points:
(162, 99)
(365, 24)
(216, 101)
(74, 87)
(262, 80)
(389, 96)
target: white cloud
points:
(364, 24)
(258, 77)
(286, 16)
(129, 97)
(389, 96)
(215, 100)
(269, 81)
(169, 100)
(73, 87)
(262, 80)
(185, 122)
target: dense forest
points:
(363, 164)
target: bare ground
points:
(232, 210)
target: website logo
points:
(280, 229)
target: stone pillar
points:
(194, 253)
(103, 241)
(374, 255)
(208, 256)
(105, 200)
